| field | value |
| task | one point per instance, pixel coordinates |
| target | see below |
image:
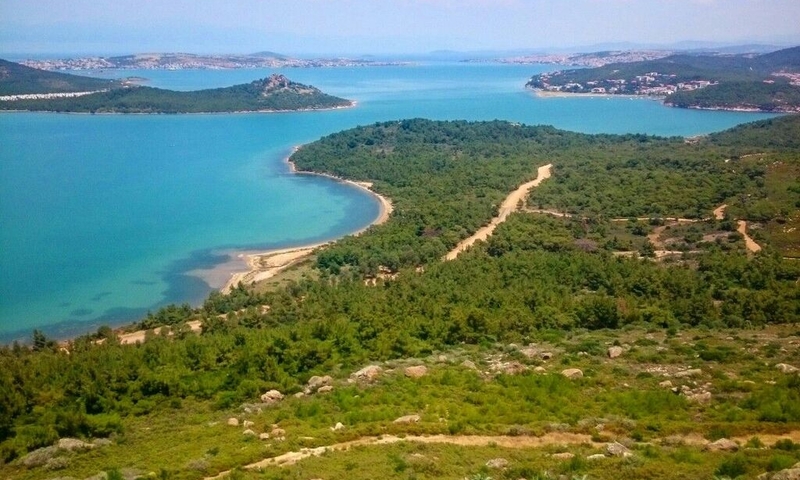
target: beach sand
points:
(259, 266)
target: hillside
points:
(16, 79)
(275, 93)
(616, 325)
(765, 82)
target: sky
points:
(303, 27)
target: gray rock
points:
(722, 445)
(572, 373)
(614, 352)
(665, 384)
(596, 456)
(369, 373)
(497, 463)
(263, 436)
(693, 372)
(788, 474)
(272, 396)
(72, 444)
(416, 371)
(337, 427)
(233, 422)
(39, 457)
(563, 456)
(786, 368)
(325, 389)
(547, 355)
(408, 419)
(616, 449)
(315, 382)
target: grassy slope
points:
(18, 79)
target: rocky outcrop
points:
(367, 374)
(497, 463)
(722, 445)
(272, 396)
(614, 352)
(572, 373)
(408, 419)
(417, 371)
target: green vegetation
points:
(556, 284)
(16, 79)
(779, 96)
(275, 93)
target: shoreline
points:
(263, 265)
(353, 104)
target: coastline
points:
(353, 104)
(266, 264)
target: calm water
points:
(104, 216)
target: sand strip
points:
(265, 265)
(508, 206)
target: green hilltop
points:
(616, 325)
(274, 93)
(766, 82)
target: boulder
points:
(408, 419)
(572, 373)
(263, 436)
(315, 382)
(233, 422)
(73, 444)
(563, 456)
(616, 449)
(614, 352)
(247, 424)
(547, 355)
(249, 433)
(338, 426)
(416, 371)
(272, 396)
(277, 433)
(722, 445)
(369, 373)
(692, 372)
(325, 389)
(786, 368)
(596, 456)
(469, 364)
(792, 473)
(497, 463)
(665, 384)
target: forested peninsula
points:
(616, 325)
(767, 82)
(27, 89)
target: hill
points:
(564, 344)
(275, 93)
(765, 82)
(16, 79)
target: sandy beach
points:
(264, 265)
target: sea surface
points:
(106, 217)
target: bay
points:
(104, 216)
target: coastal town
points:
(649, 84)
(186, 61)
(595, 59)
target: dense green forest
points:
(275, 93)
(767, 97)
(16, 79)
(736, 81)
(538, 278)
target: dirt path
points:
(751, 244)
(557, 438)
(508, 206)
(719, 212)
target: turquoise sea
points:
(104, 217)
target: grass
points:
(617, 399)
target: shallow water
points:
(103, 215)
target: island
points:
(27, 89)
(767, 82)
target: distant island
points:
(181, 61)
(28, 89)
(768, 82)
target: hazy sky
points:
(382, 26)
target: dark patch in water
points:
(64, 305)
(81, 312)
(100, 296)
(143, 282)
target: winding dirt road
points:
(508, 206)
